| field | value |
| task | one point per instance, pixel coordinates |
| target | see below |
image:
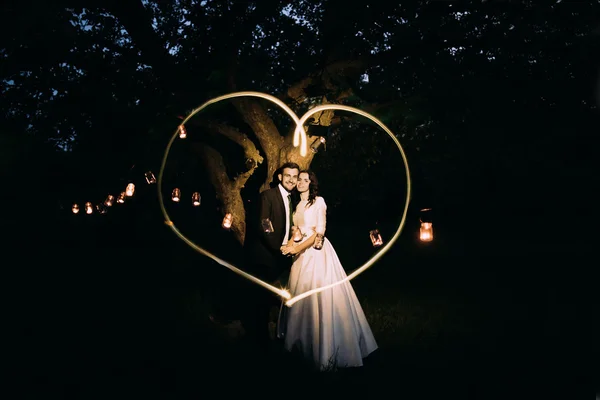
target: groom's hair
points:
(289, 164)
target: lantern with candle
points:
(176, 195)
(88, 208)
(109, 200)
(426, 229)
(150, 177)
(75, 208)
(130, 189)
(196, 199)
(376, 239)
(227, 220)
(182, 132)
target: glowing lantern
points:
(75, 208)
(121, 198)
(376, 239)
(426, 230)
(182, 132)
(130, 190)
(150, 177)
(315, 146)
(109, 200)
(296, 234)
(101, 208)
(176, 195)
(267, 225)
(196, 198)
(88, 208)
(227, 220)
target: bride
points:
(329, 328)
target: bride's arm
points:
(294, 248)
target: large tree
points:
(140, 66)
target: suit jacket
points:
(265, 258)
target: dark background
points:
(501, 150)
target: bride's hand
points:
(288, 249)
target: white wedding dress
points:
(329, 327)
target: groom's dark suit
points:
(264, 248)
(264, 257)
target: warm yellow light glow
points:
(227, 220)
(196, 199)
(121, 198)
(88, 208)
(182, 132)
(300, 139)
(130, 190)
(176, 195)
(426, 232)
(150, 177)
(75, 208)
(376, 239)
(109, 200)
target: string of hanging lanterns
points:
(425, 232)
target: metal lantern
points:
(121, 198)
(75, 208)
(227, 220)
(426, 230)
(196, 198)
(176, 195)
(109, 200)
(88, 208)
(130, 190)
(150, 177)
(376, 239)
(296, 234)
(319, 241)
(182, 132)
(315, 146)
(267, 225)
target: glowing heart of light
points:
(299, 140)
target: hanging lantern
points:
(227, 220)
(75, 208)
(109, 200)
(182, 132)
(130, 190)
(319, 241)
(267, 226)
(176, 195)
(88, 208)
(150, 177)
(101, 208)
(315, 146)
(426, 230)
(121, 198)
(196, 198)
(296, 234)
(376, 239)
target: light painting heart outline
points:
(300, 139)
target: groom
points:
(276, 205)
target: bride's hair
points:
(313, 188)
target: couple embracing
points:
(328, 328)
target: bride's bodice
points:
(311, 219)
